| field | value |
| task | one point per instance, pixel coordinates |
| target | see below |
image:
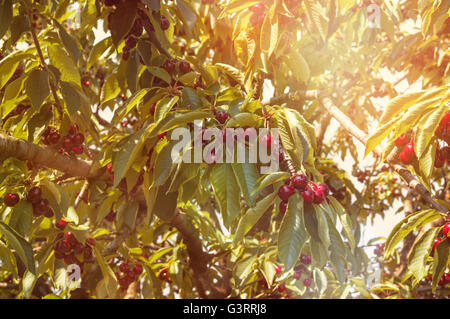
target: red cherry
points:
(73, 129)
(165, 24)
(407, 155)
(305, 259)
(285, 191)
(307, 282)
(281, 288)
(440, 158)
(446, 230)
(402, 140)
(221, 116)
(436, 242)
(308, 196)
(41, 207)
(278, 269)
(130, 42)
(87, 83)
(90, 241)
(184, 66)
(445, 119)
(283, 207)
(138, 269)
(161, 136)
(78, 139)
(296, 275)
(53, 138)
(266, 141)
(78, 150)
(125, 53)
(11, 199)
(67, 143)
(323, 188)
(34, 194)
(124, 267)
(169, 66)
(61, 224)
(70, 237)
(300, 182)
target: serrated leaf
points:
(110, 89)
(164, 106)
(251, 217)
(160, 73)
(292, 235)
(406, 225)
(64, 63)
(441, 261)
(108, 275)
(320, 279)
(22, 217)
(232, 72)
(6, 14)
(22, 247)
(122, 19)
(71, 97)
(246, 176)
(37, 88)
(420, 251)
(226, 190)
(97, 51)
(269, 179)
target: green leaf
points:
(6, 14)
(183, 118)
(322, 226)
(64, 63)
(110, 89)
(251, 217)
(122, 19)
(379, 135)
(441, 261)
(299, 67)
(125, 154)
(406, 225)
(160, 73)
(236, 6)
(320, 279)
(164, 106)
(270, 179)
(232, 72)
(22, 247)
(68, 41)
(246, 175)
(71, 97)
(190, 99)
(37, 88)
(9, 64)
(108, 275)
(97, 51)
(22, 217)
(163, 165)
(346, 221)
(338, 251)
(292, 235)
(311, 223)
(226, 190)
(420, 251)
(403, 102)
(134, 100)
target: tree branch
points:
(45, 156)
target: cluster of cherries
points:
(71, 143)
(445, 279)
(407, 154)
(310, 192)
(258, 15)
(305, 259)
(171, 65)
(41, 205)
(68, 248)
(128, 273)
